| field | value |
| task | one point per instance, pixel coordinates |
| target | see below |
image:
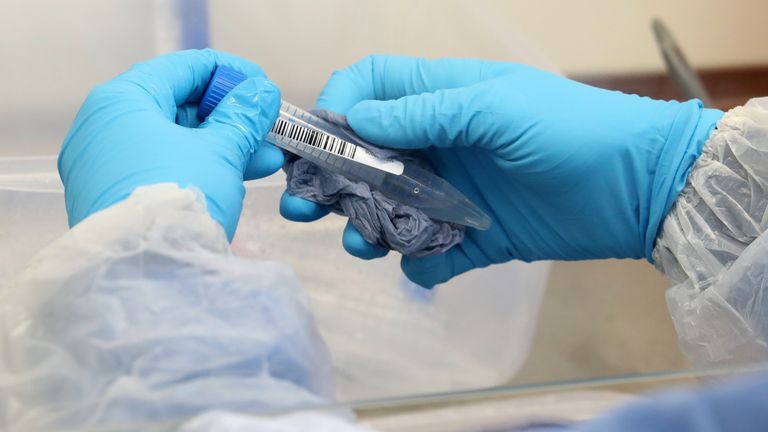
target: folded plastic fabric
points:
(217, 421)
(380, 220)
(713, 244)
(140, 314)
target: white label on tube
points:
(391, 166)
(335, 145)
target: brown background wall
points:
(728, 87)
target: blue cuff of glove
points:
(693, 125)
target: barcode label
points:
(314, 138)
(335, 145)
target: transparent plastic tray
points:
(388, 337)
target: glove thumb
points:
(246, 114)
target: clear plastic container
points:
(387, 337)
(32, 212)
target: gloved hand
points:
(140, 128)
(566, 171)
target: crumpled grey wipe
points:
(380, 220)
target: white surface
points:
(608, 36)
(54, 52)
(590, 36)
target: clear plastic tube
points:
(339, 150)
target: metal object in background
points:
(682, 73)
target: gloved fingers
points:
(246, 114)
(299, 209)
(355, 244)
(381, 77)
(186, 115)
(430, 271)
(446, 118)
(264, 162)
(173, 79)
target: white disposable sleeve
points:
(140, 314)
(714, 248)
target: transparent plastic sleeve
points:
(141, 314)
(714, 248)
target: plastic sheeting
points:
(141, 314)
(714, 247)
(216, 421)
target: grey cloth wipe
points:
(380, 220)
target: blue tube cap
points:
(224, 79)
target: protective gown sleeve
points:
(141, 314)
(714, 247)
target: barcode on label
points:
(314, 138)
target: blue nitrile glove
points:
(140, 128)
(566, 171)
